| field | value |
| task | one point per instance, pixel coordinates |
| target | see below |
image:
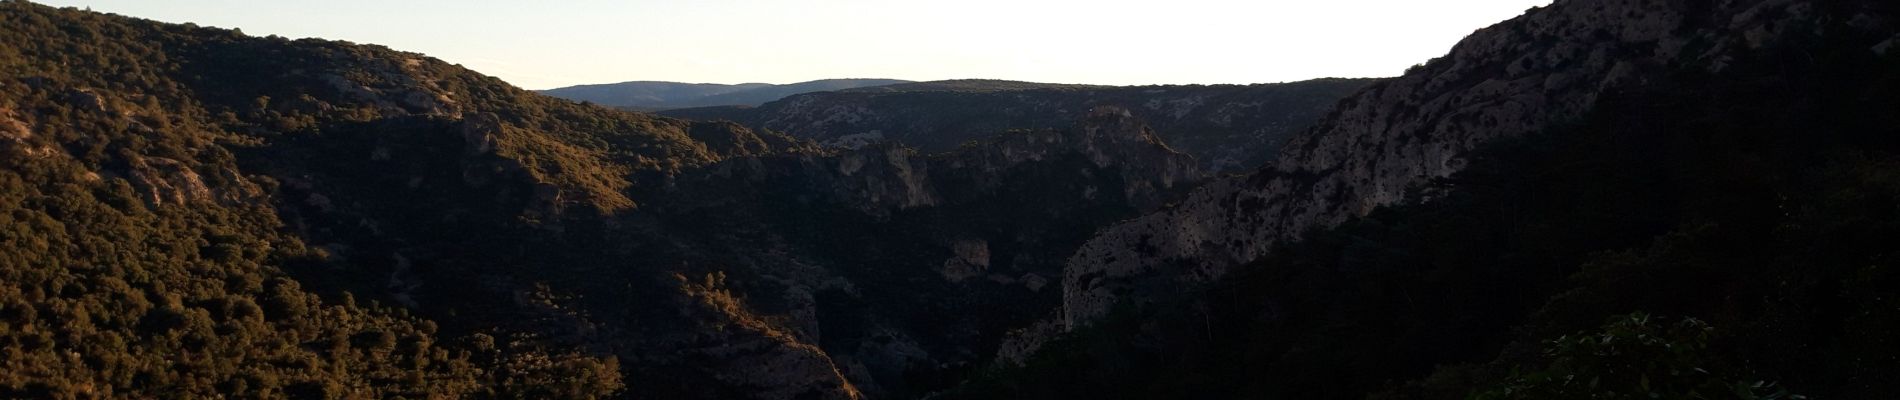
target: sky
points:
(548, 44)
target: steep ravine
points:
(901, 270)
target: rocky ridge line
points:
(1512, 79)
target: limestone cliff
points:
(1512, 79)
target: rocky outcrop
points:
(550, 185)
(160, 181)
(969, 258)
(479, 132)
(545, 201)
(13, 131)
(988, 223)
(399, 87)
(167, 181)
(1107, 137)
(884, 358)
(881, 178)
(745, 350)
(1024, 342)
(17, 139)
(1886, 46)
(1518, 77)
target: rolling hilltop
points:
(655, 95)
(1226, 127)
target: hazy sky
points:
(546, 44)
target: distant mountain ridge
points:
(1226, 127)
(969, 85)
(662, 95)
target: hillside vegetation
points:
(146, 250)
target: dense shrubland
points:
(1751, 212)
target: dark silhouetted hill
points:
(656, 95)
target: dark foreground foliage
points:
(1762, 203)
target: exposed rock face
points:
(167, 181)
(969, 258)
(484, 161)
(478, 133)
(12, 129)
(748, 351)
(16, 138)
(1887, 46)
(1024, 342)
(1515, 78)
(1033, 282)
(932, 214)
(481, 133)
(545, 200)
(401, 87)
(882, 178)
(1108, 137)
(1225, 126)
(884, 358)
